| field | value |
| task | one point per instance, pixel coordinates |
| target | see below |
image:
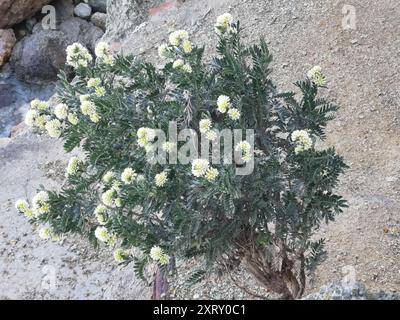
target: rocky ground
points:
(363, 70)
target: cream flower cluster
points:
(61, 111)
(101, 214)
(180, 65)
(201, 168)
(168, 146)
(110, 197)
(95, 83)
(78, 56)
(161, 179)
(40, 205)
(205, 127)
(157, 254)
(121, 255)
(88, 108)
(315, 75)
(179, 42)
(46, 233)
(102, 234)
(22, 206)
(224, 24)
(73, 166)
(224, 105)
(128, 176)
(145, 136)
(102, 52)
(53, 128)
(245, 148)
(37, 116)
(302, 139)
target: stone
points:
(39, 56)
(98, 5)
(30, 23)
(7, 42)
(99, 19)
(79, 30)
(64, 9)
(83, 10)
(8, 95)
(16, 11)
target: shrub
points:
(120, 193)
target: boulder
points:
(98, 5)
(16, 11)
(64, 9)
(99, 19)
(79, 30)
(39, 56)
(7, 42)
(83, 10)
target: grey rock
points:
(16, 11)
(83, 10)
(99, 19)
(39, 57)
(64, 9)
(99, 5)
(79, 30)
(30, 23)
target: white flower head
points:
(145, 136)
(108, 177)
(164, 51)
(73, 166)
(22, 206)
(108, 197)
(30, 117)
(187, 46)
(234, 114)
(315, 74)
(199, 167)
(41, 121)
(93, 82)
(211, 174)
(128, 175)
(102, 50)
(245, 148)
(205, 125)
(73, 118)
(176, 37)
(161, 179)
(224, 23)
(53, 128)
(223, 103)
(88, 107)
(178, 64)
(39, 105)
(156, 253)
(61, 111)
(102, 234)
(45, 233)
(100, 91)
(212, 135)
(100, 213)
(78, 55)
(186, 68)
(40, 203)
(168, 146)
(302, 139)
(121, 255)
